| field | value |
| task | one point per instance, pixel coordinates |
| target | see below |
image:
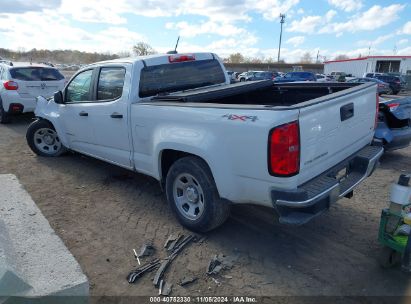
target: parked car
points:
(323, 78)
(336, 75)
(393, 81)
(297, 76)
(211, 143)
(247, 75)
(372, 75)
(382, 87)
(22, 83)
(262, 76)
(394, 123)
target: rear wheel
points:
(4, 116)
(43, 140)
(193, 196)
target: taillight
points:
(10, 85)
(376, 109)
(393, 106)
(181, 58)
(284, 150)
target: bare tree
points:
(123, 54)
(306, 58)
(236, 58)
(341, 57)
(142, 49)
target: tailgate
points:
(334, 127)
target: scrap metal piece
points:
(170, 239)
(167, 261)
(174, 243)
(160, 287)
(218, 263)
(166, 290)
(136, 256)
(139, 272)
(188, 280)
(146, 250)
(160, 272)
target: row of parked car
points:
(387, 84)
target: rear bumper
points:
(12, 97)
(299, 206)
(401, 139)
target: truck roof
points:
(152, 59)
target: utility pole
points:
(282, 20)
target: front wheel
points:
(43, 140)
(193, 196)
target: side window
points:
(110, 83)
(79, 88)
(1, 73)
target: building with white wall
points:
(370, 64)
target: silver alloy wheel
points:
(47, 141)
(188, 196)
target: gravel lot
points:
(102, 212)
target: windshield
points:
(168, 78)
(36, 74)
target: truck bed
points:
(257, 93)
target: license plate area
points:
(341, 175)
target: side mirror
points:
(58, 97)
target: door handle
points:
(347, 111)
(82, 113)
(116, 115)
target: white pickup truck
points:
(294, 147)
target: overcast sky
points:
(251, 27)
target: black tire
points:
(4, 116)
(30, 137)
(215, 210)
(242, 79)
(395, 92)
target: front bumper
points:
(299, 206)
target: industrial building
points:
(370, 64)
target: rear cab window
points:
(36, 74)
(174, 77)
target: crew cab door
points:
(108, 115)
(95, 114)
(74, 112)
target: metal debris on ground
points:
(160, 287)
(146, 250)
(136, 256)
(174, 243)
(188, 280)
(218, 263)
(167, 261)
(140, 271)
(170, 239)
(166, 289)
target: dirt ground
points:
(102, 212)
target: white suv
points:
(21, 83)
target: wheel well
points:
(169, 156)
